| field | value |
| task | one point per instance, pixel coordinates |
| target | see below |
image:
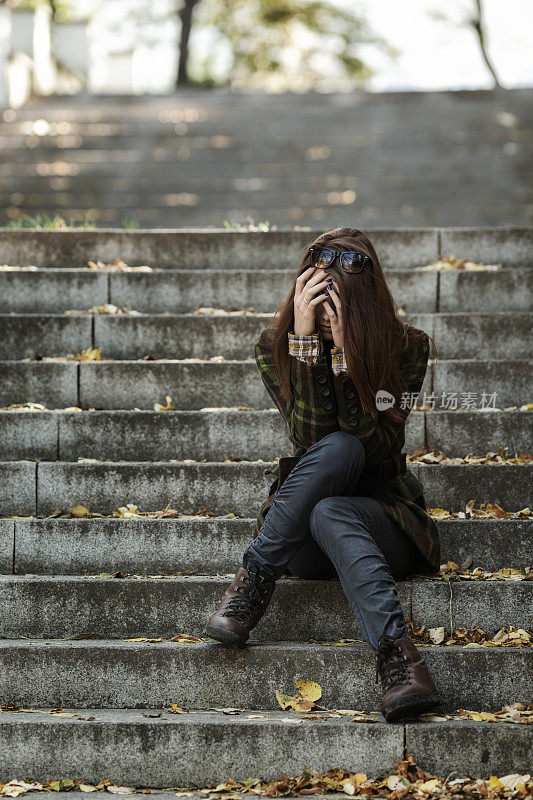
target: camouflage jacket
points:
(323, 402)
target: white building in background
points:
(5, 47)
(26, 63)
(72, 47)
(44, 73)
(116, 49)
(134, 47)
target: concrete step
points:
(201, 249)
(501, 383)
(277, 170)
(172, 108)
(487, 211)
(42, 606)
(478, 208)
(270, 200)
(237, 487)
(182, 291)
(292, 143)
(139, 384)
(125, 117)
(481, 336)
(199, 676)
(486, 290)
(466, 335)
(76, 546)
(460, 432)
(56, 383)
(397, 248)
(156, 436)
(56, 290)
(209, 747)
(52, 291)
(267, 178)
(293, 137)
(218, 435)
(335, 208)
(507, 289)
(33, 336)
(281, 170)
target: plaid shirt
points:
(311, 349)
(324, 401)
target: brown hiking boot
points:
(408, 688)
(242, 606)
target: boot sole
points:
(410, 706)
(228, 638)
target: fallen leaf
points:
(437, 635)
(308, 693)
(428, 787)
(168, 407)
(353, 783)
(80, 511)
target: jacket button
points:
(322, 379)
(352, 409)
(328, 405)
(350, 394)
(353, 421)
(325, 391)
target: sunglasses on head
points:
(350, 260)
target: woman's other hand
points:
(335, 318)
(306, 298)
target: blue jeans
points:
(316, 529)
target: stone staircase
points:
(200, 156)
(69, 626)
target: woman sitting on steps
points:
(344, 505)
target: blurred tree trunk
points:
(479, 27)
(185, 16)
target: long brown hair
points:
(376, 340)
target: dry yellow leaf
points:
(285, 700)
(394, 782)
(437, 635)
(308, 693)
(90, 354)
(130, 511)
(168, 407)
(309, 690)
(428, 787)
(501, 636)
(80, 511)
(351, 784)
(143, 639)
(520, 634)
(513, 781)
(439, 512)
(15, 788)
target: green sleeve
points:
(312, 412)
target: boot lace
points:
(243, 604)
(391, 664)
